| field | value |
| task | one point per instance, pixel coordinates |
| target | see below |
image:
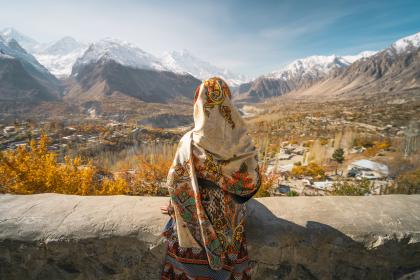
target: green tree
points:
(338, 156)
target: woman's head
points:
(218, 126)
(212, 94)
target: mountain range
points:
(60, 56)
(395, 69)
(301, 73)
(340, 75)
(81, 73)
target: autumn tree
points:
(34, 169)
(313, 170)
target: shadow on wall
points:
(51, 236)
(280, 249)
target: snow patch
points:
(362, 55)
(59, 56)
(406, 43)
(185, 62)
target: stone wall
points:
(51, 236)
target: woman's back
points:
(215, 171)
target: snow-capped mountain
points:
(26, 42)
(11, 47)
(22, 78)
(116, 69)
(121, 52)
(393, 70)
(316, 66)
(63, 46)
(405, 44)
(185, 62)
(300, 73)
(59, 56)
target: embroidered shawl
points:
(217, 149)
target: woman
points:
(214, 172)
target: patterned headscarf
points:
(219, 150)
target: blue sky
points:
(249, 37)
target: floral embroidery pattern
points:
(216, 92)
(239, 181)
(226, 113)
(225, 215)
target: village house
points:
(367, 169)
(9, 130)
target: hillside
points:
(107, 78)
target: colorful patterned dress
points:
(215, 171)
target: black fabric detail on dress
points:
(209, 184)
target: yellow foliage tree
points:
(312, 170)
(150, 177)
(267, 182)
(37, 170)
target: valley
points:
(323, 125)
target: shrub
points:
(362, 187)
(312, 170)
(323, 141)
(377, 147)
(292, 193)
(406, 183)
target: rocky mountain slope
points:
(107, 78)
(22, 77)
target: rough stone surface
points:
(51, 236)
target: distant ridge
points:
(395, 68)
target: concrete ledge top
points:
(54, 216)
